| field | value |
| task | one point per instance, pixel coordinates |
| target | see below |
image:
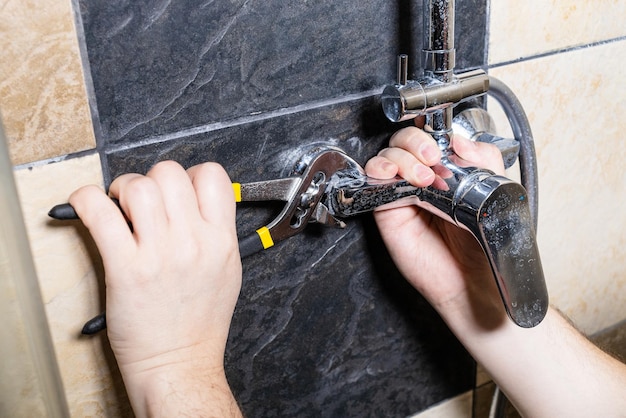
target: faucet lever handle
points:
(496, 210)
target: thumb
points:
(104, 220)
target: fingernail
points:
(423, 174)
(430, 152)
(387, 166)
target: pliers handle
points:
(281, 189)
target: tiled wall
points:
(268, 97)
(563, 62)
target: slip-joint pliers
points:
(326, 186)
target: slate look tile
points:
(158, 70)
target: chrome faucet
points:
(494, 209)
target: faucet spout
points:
(497, 212)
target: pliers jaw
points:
(303, 195)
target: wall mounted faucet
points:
(497, 211)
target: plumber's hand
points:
(448, 267)
(172, 283)
(443, 262)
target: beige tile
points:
(457, 407)
(575, 110)
(42, 91)
(525, 28)
(70, 276)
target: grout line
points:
(57, 159)
(556, 52)
(103, 151)
(86, 71)
(106, 172)
(90, 90)
(256, 117)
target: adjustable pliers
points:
(326, 186)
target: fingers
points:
(418, 143)
(179, 196)
(163, 198)
(411, 153)
(379, 167)
(409, 167)
(214, 192)
(415, 156)
(142, 201)
(169, 195)
(478, 154)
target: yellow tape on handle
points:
(237, 190)
(266, 237)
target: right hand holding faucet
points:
(426, 247)
(546, 371)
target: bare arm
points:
(547, 371)
(171, 285)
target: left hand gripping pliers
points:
(326, 186)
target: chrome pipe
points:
(438, 49)
(439, 61)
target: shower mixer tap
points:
(493, 208)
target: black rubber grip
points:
(62, 212)
(250, 245)
(65, 211)
(95, 325)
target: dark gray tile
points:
(159, 67)
(344, 336)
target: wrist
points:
(179, 384)
(477, 308)
(183, 392)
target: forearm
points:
(193, 396)
(546, 371)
